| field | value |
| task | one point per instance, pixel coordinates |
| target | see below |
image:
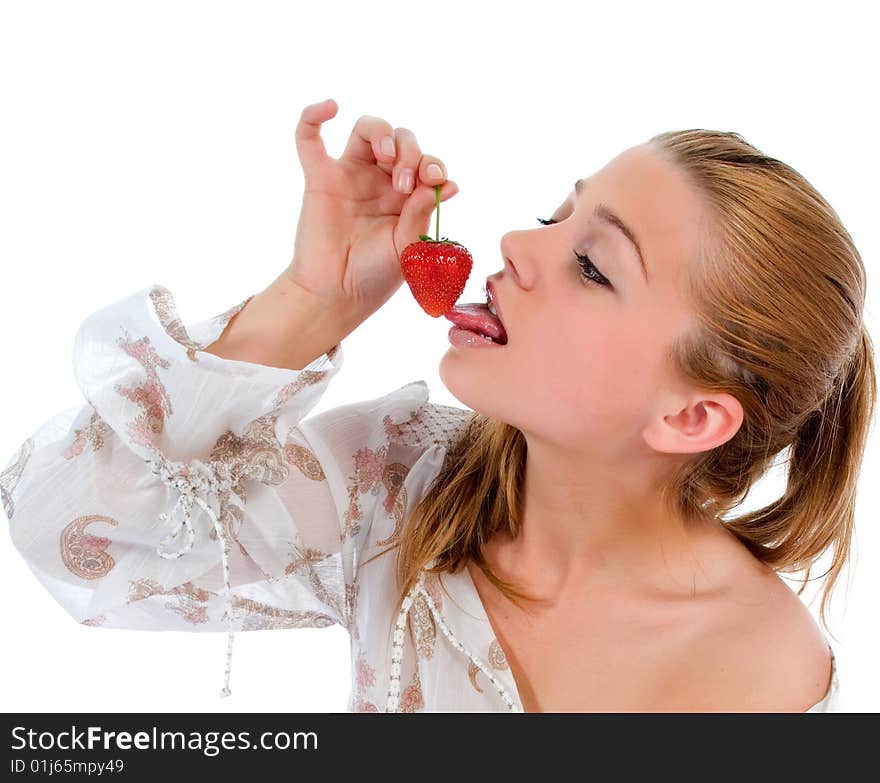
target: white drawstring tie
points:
(397, 648)
(196, 481)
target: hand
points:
(356, 219)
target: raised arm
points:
(185, 494)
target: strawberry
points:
(436, 270)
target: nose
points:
(514, 254)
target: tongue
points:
(475, 317)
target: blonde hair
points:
(779, 291)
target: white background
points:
(153, 142)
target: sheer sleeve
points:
(187, 493)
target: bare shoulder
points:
(761, 651)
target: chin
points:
(471, 392)
(459, 387)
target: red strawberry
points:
(436, 270)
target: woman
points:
(690, 312)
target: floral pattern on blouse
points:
(190, 492)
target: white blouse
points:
(191, 493)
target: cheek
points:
(588, 375)
(571, 377)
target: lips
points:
(475, 317)
(490, 286)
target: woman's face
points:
(582, 367)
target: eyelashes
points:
(589, 272)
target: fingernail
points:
(388, 145)
(405, 180)
(435, 171)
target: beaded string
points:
(397, 650)
(191, 488)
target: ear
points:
(702, 422)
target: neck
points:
(588, 521)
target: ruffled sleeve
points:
(185, 495)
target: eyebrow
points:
(604, 213)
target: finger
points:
(365, 144)
(405, 170)
(415, 216)
(412, 167)
(428, 174)
(309, 145)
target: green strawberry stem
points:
(425, 237)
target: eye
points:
(589, 272)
